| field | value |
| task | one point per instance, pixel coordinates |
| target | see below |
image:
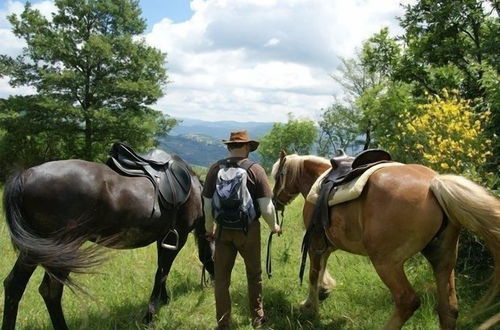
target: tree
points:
(454, 45)
(383, 106)
(296, 136)
(344, 121)
(93, 78)
(338, 129)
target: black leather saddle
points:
(169, 174)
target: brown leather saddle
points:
(344, 169)
(169, 174)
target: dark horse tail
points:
(59, 253)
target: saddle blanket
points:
(348, 191)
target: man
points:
(230, 241)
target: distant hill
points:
(200, 142)
(220, 129)
(195, 149)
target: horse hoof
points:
(323, 293)
(308, 308)
(148, 318)
(164, 300)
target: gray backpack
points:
(232, 204)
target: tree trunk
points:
(368, 139)
(88, 139)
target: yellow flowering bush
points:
(445, 134)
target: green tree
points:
(296, 136)
(338, 129)
(344, 121)
(455, 45)
(94, 79)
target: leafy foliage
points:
(445, 134)
(344, 122)
(296, 136)
(92, 75)
(445, 46)
(454, 45)
(338, 129)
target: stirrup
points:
(168, 246)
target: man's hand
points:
(277, 229)
(210, 236)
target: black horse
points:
(54, 208)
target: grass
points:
(120, 289)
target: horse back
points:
(67, 192)
(396, 211)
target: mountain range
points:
(200, 142)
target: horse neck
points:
(310, 173)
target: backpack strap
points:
(245, 164)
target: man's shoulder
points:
(257, 166)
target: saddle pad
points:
(348, 191)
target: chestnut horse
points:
(53, 208)
(402, 210)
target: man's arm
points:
(209, 220)
(208, 192)
(264, 198)
(268, 213)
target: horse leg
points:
(405, 299)
(311, 304)
(327, 282)
(442, 255)
(51, 290)
(14, 285)
(205, 248)
(159, 295)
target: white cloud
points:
(261, 59)
(13, 46)
(251, 59)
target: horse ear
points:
(282, 154)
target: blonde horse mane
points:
(294, 165)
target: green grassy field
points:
(120, 288)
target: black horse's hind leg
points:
(159, 295)
(51, 290)
(14, 285)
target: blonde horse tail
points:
(473, 207)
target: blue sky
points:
(244, 60)
(153, 10)
(156, 10)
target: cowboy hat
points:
(241, 137)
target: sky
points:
(244, 60)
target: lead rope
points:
(269, 267)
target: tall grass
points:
(120, 290)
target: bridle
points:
(279, 188)
(279, 205)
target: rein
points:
(269, 268)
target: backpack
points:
(232, 204)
